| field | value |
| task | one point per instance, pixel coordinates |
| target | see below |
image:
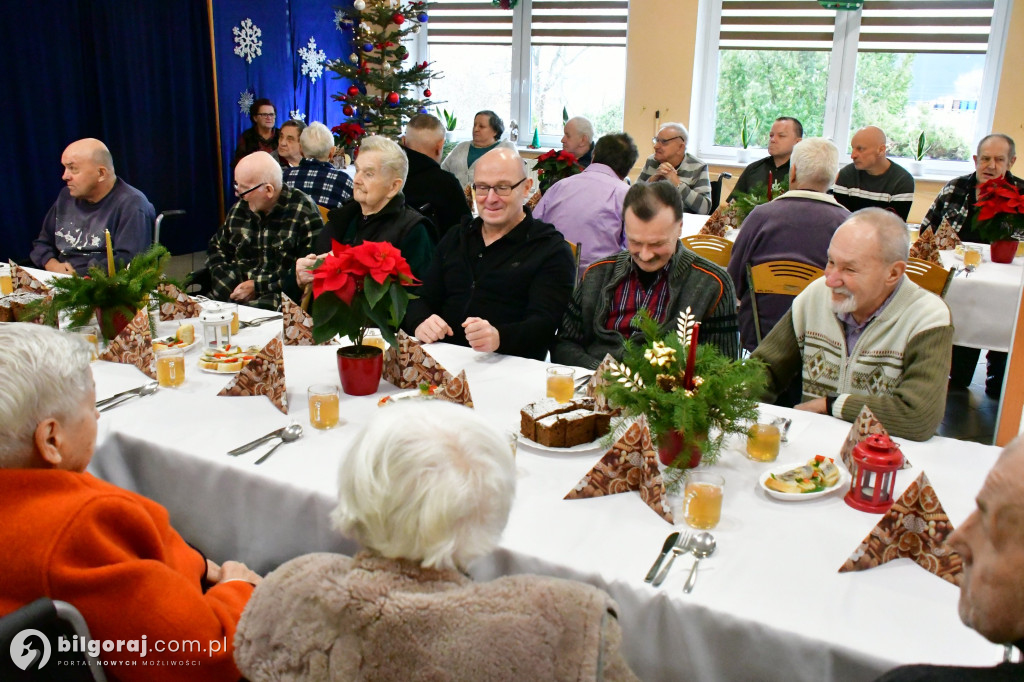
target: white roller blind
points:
(468, 22)
(579, 22)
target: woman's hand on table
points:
(432, 329)
(480, 335)
(303, 268)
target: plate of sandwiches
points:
(575, 426)
(229, 359)
(800, 481)
(185, 338)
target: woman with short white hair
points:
(110, 553)
(378, 214)
(426, 488)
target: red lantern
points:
(393, 98)
(876, 460)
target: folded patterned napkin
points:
(926, 247)
(866, 424)
(134, 345)
(24, 282)
(407, 364)
(456, 390)
(630, 464)
(298, 324)
(915, 528)
(597, 380)
(946, 237)
(263, 375)
(183, 307)
(721, 221)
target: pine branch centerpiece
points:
(689, 392)
(357, 287)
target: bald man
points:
(429, 188)
(94, 200)
(502, 281)
(872, 179)
(252, 256)
(578, 139)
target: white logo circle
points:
(27, 654)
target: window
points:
(530, 63)
(907, 66)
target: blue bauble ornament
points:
(367, 47)
(423, 110)
(422, 17)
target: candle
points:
(691, 359)
(769, 185)
(110, 254)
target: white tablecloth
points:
(984, 303)
(769, 605)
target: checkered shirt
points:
(324, 183)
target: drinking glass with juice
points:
(170, 367)
(560, 383)
(323, 406)
(6, 285)
(763, 441)
(702, 499)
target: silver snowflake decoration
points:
(342, 21)
(296, 115)
(312, 60)
(247, 40)
(245, 102)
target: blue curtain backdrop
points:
(285, 27)
(137, 75)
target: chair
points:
(930, 276)
(715, 249)
(53, 619)
(160, 220)
(577, 249)
(323, 212)
(716, 190)
(786, 277)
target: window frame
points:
(838, 100)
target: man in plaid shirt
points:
(325, 184)
(265, 232)
(656, 273)
(671, 163)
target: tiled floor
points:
(971, 415)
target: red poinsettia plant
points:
(1000, 211)
(553, 165)
(357, 287)
(348, 134)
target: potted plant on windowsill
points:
(691, 394)
(1000, 218)
(449, 123)
(113, 297)
(354, 288)
(920, 152)
(746, 136)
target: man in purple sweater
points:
(796, 226)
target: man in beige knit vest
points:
(866, 335)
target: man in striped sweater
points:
(656, 273)
(866, 335)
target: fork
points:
(682, 546)
(258, 321)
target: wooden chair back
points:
(930, 276)
(323, 212)
(786, 277)
(715, 249)
(577, 249)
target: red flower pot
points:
(1004, 250)
(112, 321)
(670, 447)
(360, 368)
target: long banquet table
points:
(768, 605)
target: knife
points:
(106, 401)
(251, 445)
(669, 541)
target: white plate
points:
(219, 371)
(582, 447)
(844, 479)
(183, 348)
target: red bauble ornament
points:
(341, 98)
(353, 91)
(347, 110)
(393, 98)
(426, 93)
(398, 18)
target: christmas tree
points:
(378, 101)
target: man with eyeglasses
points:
(265, 232)
(670, 163)
(499, 282)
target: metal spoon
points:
(702, 547)
(148, 389)
(291, 433)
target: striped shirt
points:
(695, 185)
(893, 190)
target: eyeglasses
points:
(270, 115)
(254, 187)
(658, 140)
(500, 190)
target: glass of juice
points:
(560, 383)
(972, 257)
(233, 309)
(373, 337)
(915, 232)
(170, 367)
(763, 442)
(323, 406)
(6, 285)
(91, 333)
(702, 499)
